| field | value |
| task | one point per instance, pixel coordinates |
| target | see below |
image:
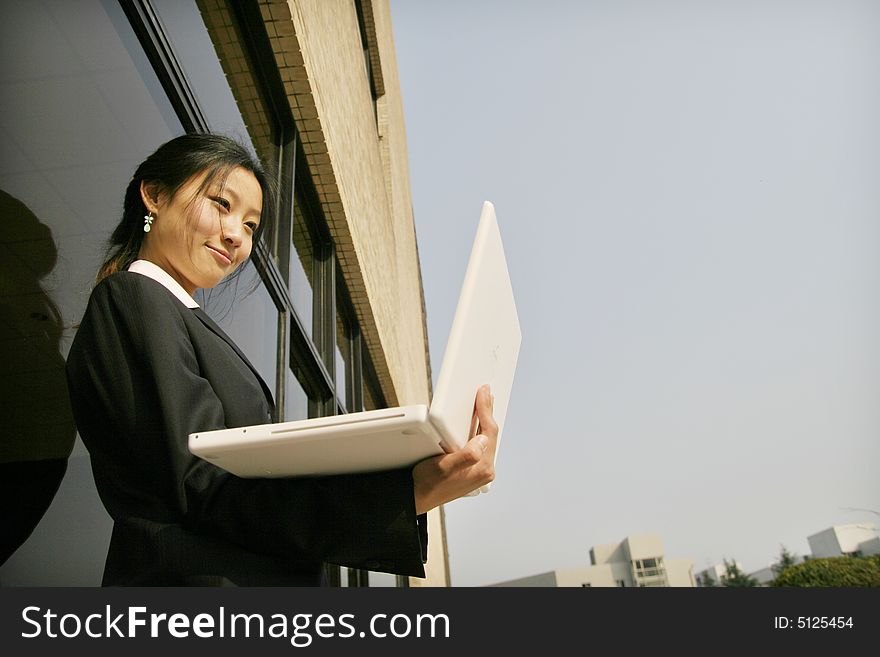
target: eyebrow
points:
(230, 191)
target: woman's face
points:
(200, 237)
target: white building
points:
(845, 540)
(765, 576)
(836, 541)
(716, 573)
(636, 561)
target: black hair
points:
(171, 166)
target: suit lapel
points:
(212, 325)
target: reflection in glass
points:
(38, 430)
(81, 107)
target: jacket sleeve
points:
(142, 378)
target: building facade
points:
(858, 540)
(715, 575)
(332, 315)
(637, 561)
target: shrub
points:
(833, 572)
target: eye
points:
(222, 202)
(252, 226)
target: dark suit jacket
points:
(144, 372)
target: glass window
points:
(207, 44)
(296, 401)
(342, 361)
(302, 269)
(341, 367)
(80, 108)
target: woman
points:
(148, 367)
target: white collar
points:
(154, 271)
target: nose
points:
(231, 231)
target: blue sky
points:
(687, 194)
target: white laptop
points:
(483, 347)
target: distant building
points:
(715, 575)
(765, 576)
(859, 540)
(636, 561)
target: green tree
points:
(735, 577)
(841, 572)
(786, 560)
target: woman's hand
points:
(443, 478)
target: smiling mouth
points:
(223, 256)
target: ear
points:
(151, 195)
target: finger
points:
(484, 405)
(468, 455)
(475, 448)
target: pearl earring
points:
(148, 221)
